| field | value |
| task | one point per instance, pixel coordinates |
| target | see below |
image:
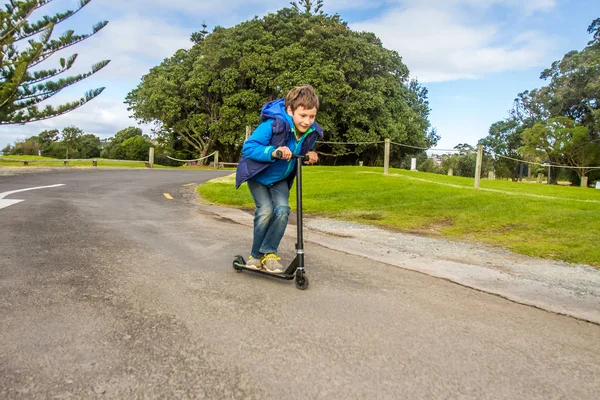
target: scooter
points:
(296, 268)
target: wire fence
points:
(477, 173)
(548, 166)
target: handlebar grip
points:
(279, 154)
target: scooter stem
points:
(300, 243)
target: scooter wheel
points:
(302, 282)
(237, 261)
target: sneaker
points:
(271, 263)
(254, 263)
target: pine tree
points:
(21, 88)
(309, 6)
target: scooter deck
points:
(281, 275)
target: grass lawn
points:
(554, 222)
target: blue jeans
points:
(270, 217)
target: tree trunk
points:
(194, 145)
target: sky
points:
(473, 56)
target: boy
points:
(288, 125)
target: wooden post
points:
(386, 157)
(151, 157)
(248, 132)
(584, 182)
(478, 165)
(216, 160)
(94, 163)
(66, 163)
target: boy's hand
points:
(312, 157)
(286, 154)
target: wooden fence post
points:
(151, 157)
(478, 165)
(216, 160)
(386, 157)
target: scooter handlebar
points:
(279, 154)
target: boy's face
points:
(303, 118)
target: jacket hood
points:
(276, 110)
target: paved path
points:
(110, 289)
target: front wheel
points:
(302, 282)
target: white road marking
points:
(6, 203)
(9, 202)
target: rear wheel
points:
(238, 261)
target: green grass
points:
(538, 220)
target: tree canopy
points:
(204, 97)
(22, 86)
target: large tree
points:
(502, 144)
(206, 96)
(562, 141)
(70, 137)
(25, 45)
(575, 84)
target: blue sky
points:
(474, 56)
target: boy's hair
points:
(302, 96)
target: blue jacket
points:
(276, 130)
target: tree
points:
(48, 136)
(88, 146)
(203, 98)
(307, 6)
(464, 148)
(575, 84)
(136, 148)
(70, 137)
(114, 150)
(562, 141)
(504, 140)
(21, 89)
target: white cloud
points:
(444, 43)
(133, 45)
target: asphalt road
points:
(108, 289)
